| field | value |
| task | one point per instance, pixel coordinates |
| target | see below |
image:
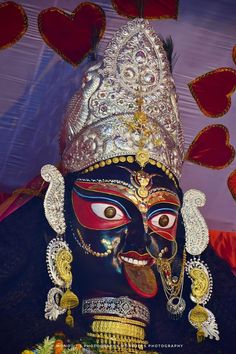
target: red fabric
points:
(232, 184)
(3, 197)
(72, 36)
(211, 148)
(224, 244)
(212, 91)
(234, 54)
(13, 23)
(152, 9)
(21, 196)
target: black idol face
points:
(122, 226)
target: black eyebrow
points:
(163, 206)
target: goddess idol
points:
(127, 258)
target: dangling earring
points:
(197, 239)
(172, 285)
(59, 256)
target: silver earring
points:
(59, 257)
(197, 239)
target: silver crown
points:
(101, 121)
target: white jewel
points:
(54, 198)
(196, 230)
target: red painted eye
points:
(163, 221)
(164, 225)
(107, 211)
(98, 216)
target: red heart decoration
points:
(232, 184)
(73, 35)
(234, 54)
(13, 23)
(212, 91)
(152, 9)
(211, 148)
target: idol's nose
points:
(136, 237)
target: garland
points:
(56, 345)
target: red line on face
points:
(87, 217)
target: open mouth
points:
(136, 258)
(138, 273)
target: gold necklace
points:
(118, 334)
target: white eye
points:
(107, 211)
(163, 221)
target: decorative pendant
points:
(202, 283)
(59, 258)
(204, 321)
(200, 317)
(176, 306)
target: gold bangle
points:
(123, 329)
(116, 338)
(120, 319)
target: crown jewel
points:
(127, 105)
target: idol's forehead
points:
(154, 195)
(149, 185)
(122, 172)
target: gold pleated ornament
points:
(69, 301)
(198, 315)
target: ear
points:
(54, 198)
(196, 230)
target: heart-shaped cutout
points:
(13, 23)
(150, 9)
(212, 91)
(73, 35)
(232, 184)
(211, 148)
(234, 54)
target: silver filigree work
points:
(210, 327)
(196, 230)
(95, 128)
(118, 306)
(55, 246)
(54, 198)
(52, 308)
(176, 306)
(199, 264)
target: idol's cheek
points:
(162, 234)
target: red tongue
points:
(141, 279)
